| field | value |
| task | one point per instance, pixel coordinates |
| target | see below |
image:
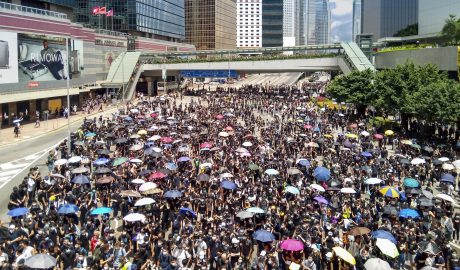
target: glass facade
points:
(272, 23)
(210, 24)
(356, 28)
(318, 23)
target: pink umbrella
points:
(354, 125)
(219, 116)
(167, 139)
(307, 126)
(206, 145)
(291, 245)
(157, 175)
(229, 128)
(378, 136)
(153, 115)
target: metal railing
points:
(31, 10)
(111, 33)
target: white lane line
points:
(9, 166)
(31, 157)
(12, 172)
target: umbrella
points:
(417, 161)
(223, 134)
(404, 161)
(255, 210)
(321, 199)
(136, 147)
(135, 160)
(142, 132)
(429, 247)
(171, 166)
(219, 117)
(443, 159)
(293, 171)
(101, 211)
(101, 161)
(121, 140)
(448, 166)
(387, 247)
(351, 136)
(119, 161)
(206, 145)
(456, 163)
(303, 162)
(312, 144)
(105, 180)
(60, 162)
(102, 170)
(147, 186)
(74, 159)
(447, 177)
(378, 136)
(389, 132)
(241, 150)
(359, 231)
(377, 264)
(317, 187)
(81, 179)
(183, 159)
(291, 245)
(427, 194)
(80, 170)
(57, 175)
(366, 154)
(365, 133)
(247, 144)
(390, 210)
(226, 175)
(103, 152)
(372, 181)
(425, 202)
(17, 212)
(203, 177)
(348, 190)
(292, 190)
(244, 215)
(167, 139)
(68, 209)
(172, 194)
(157, 175)
(154, 138)
(144, 201)
(344, 255)
(272, 172)
(389, 192)
(263, 236)
(228, 185)
(40, 261)
(411, 182)
(384, 235)
(322, 174)
(187, 212)
(133, 217)
(409, 213)
(253, 167)
(130, 193)
(445, 197)
(428, 149)
(90, 134)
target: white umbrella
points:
(387, 247)
(138, 181)
(226, 175)
(417, 161)
(255, 210)
(155, 138)
(134, 110)
(156, 149)
(373, 181)
(144, 201)
(223, 134)
(74, 159)
(241, 150)
(377, 264)
(365, 133)
(135, 160)
(456, 163)
(448, 166)
(247, 144)
(443, 159)
(40, 261)
(348, 190)
(60, 162)
(317, 187)
(133, 217)
(445, 197)
(209, 165)
(147, 186)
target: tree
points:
(410, 30)
(451, 30)
(356, 87)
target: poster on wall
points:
(109, 57)
(42, 58)
(8, 57)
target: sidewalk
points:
(29, 130)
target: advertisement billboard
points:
(41, 58)
(8, 57)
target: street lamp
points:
(69, 150)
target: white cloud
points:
(341, 7)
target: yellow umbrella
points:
(407, 142)
(352, 136)
(389, 132)
(142, 132)
(387, 247)
(344, 255)
(328, 136)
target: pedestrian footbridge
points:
(130, 66)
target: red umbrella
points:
(378, 136)
(219, 116)
(167, 139)
(157, 175)
(229, 128)
(206, 145)
(354, 125)
(291, 245)
(153, 115)
(308, 126)
(248, 136)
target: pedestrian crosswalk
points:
(10, 169)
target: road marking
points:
(7, 173)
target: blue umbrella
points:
(101, 211)
(183, 159)
(17, 212)
(228, 185)
(263, 236)
(316, 129)
(90, 134)
(409, 213)
(322, 174)
(68, 209)
(127, 118)
(172, 166)
(187, 212)
(172, 194)
(384, 235)
(411, 182)
(101, 161)
(447, 177)
(303, 162)
(80, 179)
(366, 154)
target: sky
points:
(341, 26)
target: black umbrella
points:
(103, 152)
(164, 170)
(203, 177)
(429, 247)
(109, 135)
(80, 179)
(102, 170)
(404, 161)
(121, 140)
(145, 172)
(425, 202)
(390, 210)
(428, 149)
(437, 162)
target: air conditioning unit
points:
(4, 55)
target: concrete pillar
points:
(149, 86)
(32, 109)
(13, 111)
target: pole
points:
(68, 95)
(123, 77)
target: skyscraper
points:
(289, 22)
(433, 14)
(318, 22)
(384, 18)
(272, 23)
(211, 24)
(356, 27)
(249, 23)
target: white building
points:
(249, 23)
(288, 18)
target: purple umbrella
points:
(321, 199)
(183, 159)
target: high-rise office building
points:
(384, 18)
(272, 23)
(433, 14)
(318, 22)
(300, 23)
(249, 23)
(356, 27)
(289, 22)
(210, 24)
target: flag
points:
(103, 10)
(96, 10)
(109, 13)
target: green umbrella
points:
(416, 146)
(119, 161)
(411, 182)
(253, 167)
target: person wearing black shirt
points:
(67, 259)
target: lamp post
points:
(68, 96)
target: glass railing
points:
(31, 10)
(111, 33)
